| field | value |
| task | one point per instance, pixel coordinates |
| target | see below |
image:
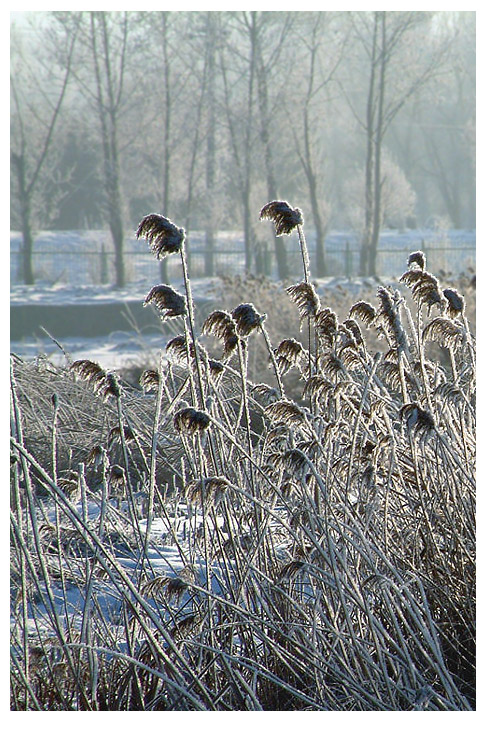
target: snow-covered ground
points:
(85, 257)
(119, 348)
(69, 267)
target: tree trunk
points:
(280, 249)
(108, 121)
(210, 149)
(321, 267)
(378, 183)
(164, 273)
(27, 248)
(18, 162)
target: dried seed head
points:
(247, 318)
(96, 456)
(291, 570)
(417, 419)
(185, 626)
(446, 332)
(352, 326)
(326, 323)
(288, 354)
(214, 489)
(268, 393)
(286, 412)
(149, 380)
(115, 434)
(295, 463)
(91, 372)
(70, 483)
(424, 287)
(363, 311)
(215, 368)
(284, 217)
(389, 314)
(190, 421)
(334, 366)
(418, 258)
(171, 587)
(305, 297)
(176, 348)
(112, 386)
(168, 301)
(449, 392)
(117, 476)
(318, 389)
(349, 357)
(221, 325)
(455, 302)
(164, 237)
(390, 374)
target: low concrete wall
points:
(88, 320)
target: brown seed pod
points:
(164, 237)
(149, 380)
(284, 217)
(305, 297)
(418, 258)
(189, 421)
(247, 318)
(446, 332)
(168, 301)
(363, 311)
(91, 372)
(424, 287)
(214, 488)
(286, 412)
(455, 302)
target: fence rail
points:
(59, 261)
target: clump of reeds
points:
(326, 541)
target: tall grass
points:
(212, 541)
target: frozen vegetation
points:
(277, 514)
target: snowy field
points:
(82, 258)
(121, 349)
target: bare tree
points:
(36, 112)
(307, 115)
(109, 66)
(395, 72)
(101, 72)
(267, 54)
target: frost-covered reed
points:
(212, 540)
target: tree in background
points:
(107, 70)
(108, 38)
(207, 115)
(322, 54)
(37, 100)
(397, 69)
(397, 201)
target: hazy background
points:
(365, 120)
